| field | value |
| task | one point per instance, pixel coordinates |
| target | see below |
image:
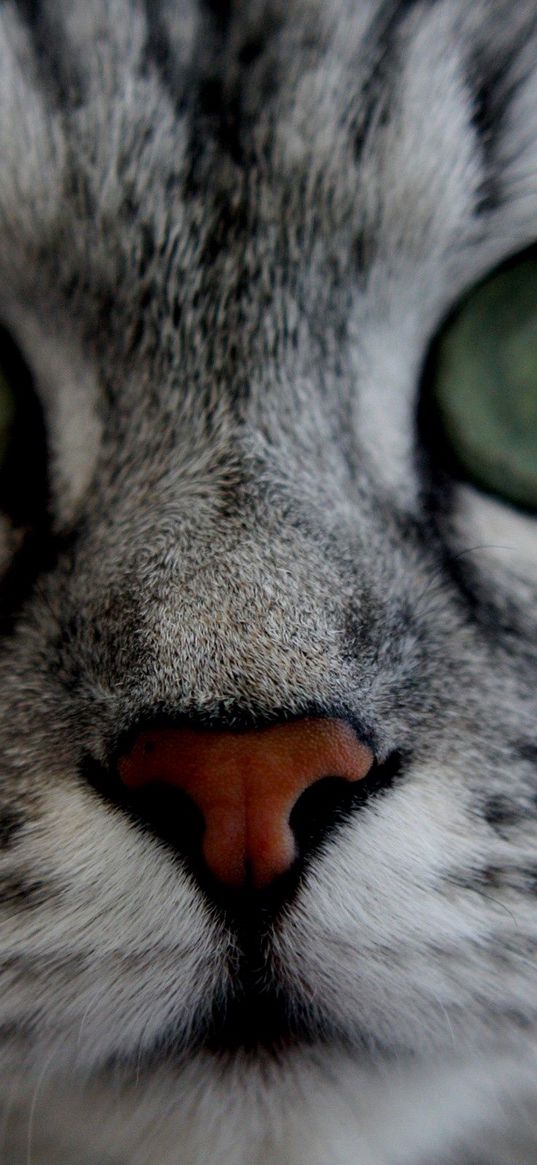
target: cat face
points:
(226, 242)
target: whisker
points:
(33, 1106)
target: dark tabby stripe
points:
(527, 750)
(158, 49)
(56, 69)
(19, 891)
(176, 78)
(379, 94)
(501, 811)
(11, 822)
(486, 84)
(493, 85)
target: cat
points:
(229, 235)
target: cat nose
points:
(246, 785)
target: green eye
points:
(485, 383)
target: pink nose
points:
(246, 784)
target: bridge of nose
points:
(246, 784)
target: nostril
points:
(171, 814)
(318, 810)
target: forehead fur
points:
(261, 210)
(227, 235)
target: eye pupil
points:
(6, 414)
(23, 444)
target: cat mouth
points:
(248, 1025)
(257, 1022)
